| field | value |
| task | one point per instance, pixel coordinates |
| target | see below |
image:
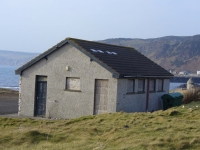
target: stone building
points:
(76, 78)
(198, 72)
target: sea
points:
(9, 80)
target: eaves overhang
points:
(54, 48)
(141, 76)
(118, 66)
(39, 57)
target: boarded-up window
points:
(72, 83)
(141, 85)
(160, 84)
(152, 83)
(131, 86)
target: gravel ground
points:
(8, 107)
(8, 102)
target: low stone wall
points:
(185, 79)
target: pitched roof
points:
(121, 61)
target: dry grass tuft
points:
(173, 112)
(190, 95)
(175, 128)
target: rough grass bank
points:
(174, 129)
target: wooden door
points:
(40, 99)
(101, 96)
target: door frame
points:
(95, 93)
(35, 97)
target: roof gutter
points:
(138, 76)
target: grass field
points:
(174, 129)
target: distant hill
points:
(171, 52)
(11, 58)
(179, 53)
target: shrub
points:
(190, 95)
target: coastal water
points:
(174, 85)
(8, 79)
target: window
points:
(131, 86)
(73, 83)
(160, 84)
(141, 85)
(152, 83)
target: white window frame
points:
(131, 88)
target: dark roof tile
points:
(127, 61)
(121, 61)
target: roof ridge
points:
(105, 61)
(69, 38)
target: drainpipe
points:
(147, 98)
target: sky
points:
(37, 25)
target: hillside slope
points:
(174, 129)
(171, 52)
(11, 58)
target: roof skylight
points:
(100, 51)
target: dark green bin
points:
(171, 100)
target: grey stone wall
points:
(136, 102)
(61, 103)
